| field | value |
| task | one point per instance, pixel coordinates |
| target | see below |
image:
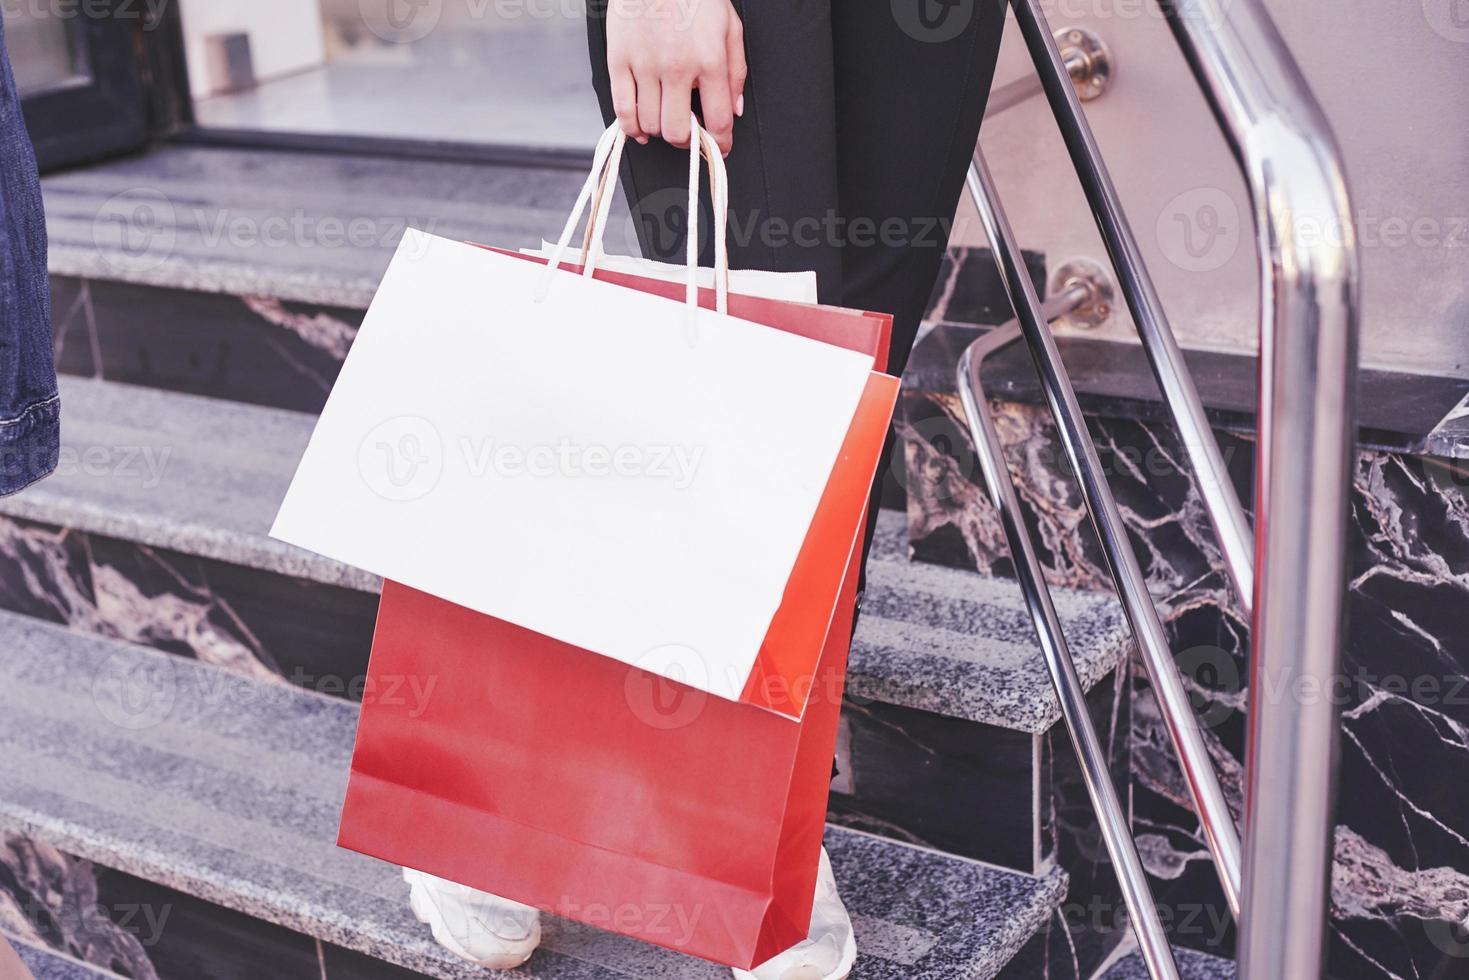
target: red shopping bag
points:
(569, 781)
(859, 330)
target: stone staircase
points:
(228, 789)
(46, 964)
(178, 689)
(1192, 965)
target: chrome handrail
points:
(1221, 502)
(1088, 66)
(1309, 314)
(1292, 583)
(1208, 797)
(1070, 693)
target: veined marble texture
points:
(139, 929)
(1402, 844)
(245, 348)
(268, 627)
(51, 899)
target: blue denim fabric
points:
(30, 409)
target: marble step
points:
(244, 274)
(46, 964)
(304, 227)
(203, 477)
(1192, 965)
(228, 789)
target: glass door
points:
(77, 68)
(418, 73)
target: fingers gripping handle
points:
(606, 161)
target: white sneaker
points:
(828, 953)
(492, 932)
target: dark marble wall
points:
(1401, 885)
(1008, 798)
(262, 625)
(251, 349)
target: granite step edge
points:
(1128, 964)
(413, 948)
(48, 964)
(936, 639)
(409, 949)
(309, 227)
(223, 277)
(51, 662)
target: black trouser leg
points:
(860, 118)
(912, 79)
(783, 170)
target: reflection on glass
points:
(494, 71)
(45, 49)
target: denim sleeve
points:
(30, 408)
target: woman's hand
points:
(659, 51)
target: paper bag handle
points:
(605, 163)
(718, 187)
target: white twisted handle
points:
(605, 163)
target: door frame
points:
(133, 92)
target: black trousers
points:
(860, 119)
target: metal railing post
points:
(1183, 729)
(1211, 474)
(1116, 831)
(1308, 362)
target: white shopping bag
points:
(619, 471)
(792, 287)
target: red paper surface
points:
(563, 779)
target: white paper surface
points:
(793, 287)
(596, 466)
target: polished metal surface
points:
(1077, 44)
(1308, 345)
(1096, 280)
(1173, 704)
(1087, 60)
(1211, 475)
(1113, 820)
(1390, 78)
